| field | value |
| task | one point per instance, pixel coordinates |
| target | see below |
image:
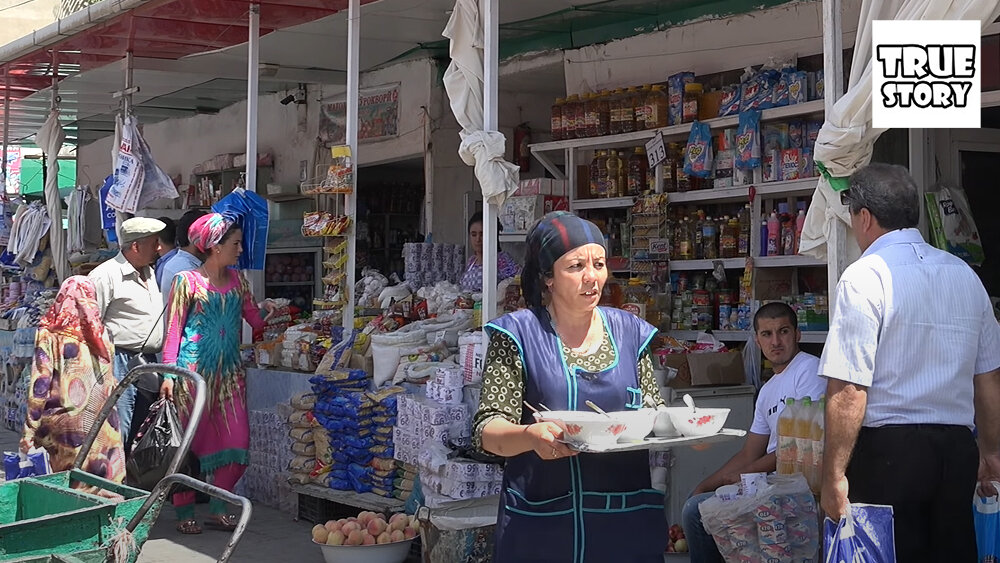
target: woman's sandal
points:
(188, 527)
(224, 523)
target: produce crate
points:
(319, 511)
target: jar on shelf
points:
(558, 133)
(614, 167)
(692, 99)
(599, 175)
(657, 110)
(642, 107)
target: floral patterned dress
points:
(71, 378)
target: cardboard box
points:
(699, 370)
(519, 213)
(542, 186)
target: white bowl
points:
(701, 422)
(586, 427)
(639, 423)
(663, 427)
(396, 552)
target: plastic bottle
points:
(710, 239)
(623, 174)
(743, 243)
(614, 166)
(657, 108)
(800, 223)
(557, 119)
(818, 435)
(573, 113)
(763, 238)
(684, 242)
(628, 110)
(729, 235)
(638, 166)
(803, 437)
(590, 114)
(615, 111)
(603, 102)
(787, 235)
(637, 298)
(599, 175)
(786, 452)
(773, 235)
(642, 107)
(698, 252)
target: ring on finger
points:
(555, 453)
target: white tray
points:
(655, 444)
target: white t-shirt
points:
(798, 380)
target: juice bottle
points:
(685, 250)
(638, 166)
(773, 235)
(743, 243)
(615, 111)
(656, 108)
(642, 107)
(818, 435)
(803, 437)
(614, 167)
(599, 175)
(786, 452)
(557, 122)
(710, 239)
(628, 110)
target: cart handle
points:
(162, 489)
(131, 377)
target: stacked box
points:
(457, 479)
(270, 454)
(422, 421)
(426, 264)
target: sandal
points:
(188, 527)
(224, 523)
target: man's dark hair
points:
(776, 310)
(184, 225)
(888, 192)
(169, 233)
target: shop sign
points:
(659, 246)
(926, 74)
(378, 116)
(656, 152)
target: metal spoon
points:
(541, 404)
(529, 405)
(597, 408)
(689, 401)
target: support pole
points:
(491, 44)
(6, 127)
(253, 81)
(127, 91)
(351, 199)
(833, 76)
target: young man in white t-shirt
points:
(795, 375)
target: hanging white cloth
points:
(77, 204)
(31, 223)
(50, 137)
(845, 142)
(463, 80)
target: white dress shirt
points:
(798, 380)
(913, 324)
(130, 307)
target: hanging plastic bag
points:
(958, 226)
(864, 534)
(18, 465)
(156, 442)
(156, 184)
(698, 157)
(249, 211)
(751, 363)
(986, 512)
(129, 173)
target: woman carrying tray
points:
(557, 505)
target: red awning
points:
(167, 29)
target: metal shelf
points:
(602, 203)
(808, 336)
(727, 263)
(787, 262)
(364, 501)
(803, 186)
(674, 132)
(288, 284)
(813, 337)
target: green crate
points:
(43, 516)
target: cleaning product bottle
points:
(818, 435)
(803, 437)
(787, 443)
(773, 235)
(800, 223)
(763, 238)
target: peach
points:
(350, 527)
(319, 534)
(331, 526)
(336, 538)
(410, 533)
(384, 537)
(369, 540)
(397, 535)
(376, 526)
(356, 537)
(398, 517)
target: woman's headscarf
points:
(552, 236)
(208, 230)
(75, 313)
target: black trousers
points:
(928, 474)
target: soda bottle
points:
(818, 435)
(803, 437)
(786, 438)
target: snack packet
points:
(730, 104)
(748, 140)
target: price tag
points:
(659, 246)
(656, 151)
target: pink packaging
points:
(771, 160)
(791, 163)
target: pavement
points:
(272, 536)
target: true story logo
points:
(926, 74)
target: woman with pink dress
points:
(204, 324)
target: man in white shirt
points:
(913, 364)
(131, 309)
(795, 376)
(185, 259)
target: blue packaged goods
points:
(812, 132)
(779, 96)
(749, 87)
(698, 158)
(798, 89)
(767, 79)
(748, 140)
(986, 514)
(730, 104)
(865, 534)
(18, 465)
(796, 135)
(675, 96)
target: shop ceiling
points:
(190, 55)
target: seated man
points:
(795, 375)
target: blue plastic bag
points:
(249, 211)
(865, 534)
(17, 465)
(987, 517)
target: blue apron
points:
(590, 507)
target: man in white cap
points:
(131, 308)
